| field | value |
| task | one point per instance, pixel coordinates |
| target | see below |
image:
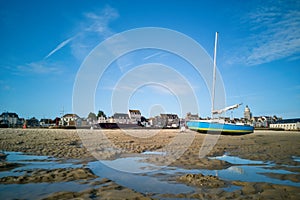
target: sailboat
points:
(217, 125)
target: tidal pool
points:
(296, 158)
(147, 177)
(252, 171)
(31, 162)
(37, 190)
(138, 182)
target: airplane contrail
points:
(58, 47)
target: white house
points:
(135, 116)
(69, 120)
(165, 121)
(287, 124)
(9, 119)
(121, 118)
(171, 120)
(263, 121)
(102, 119)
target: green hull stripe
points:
(220, 130)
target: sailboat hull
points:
(216, 127)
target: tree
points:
(92, 116)
(101, 113)
(143, 119)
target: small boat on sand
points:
(217, 125)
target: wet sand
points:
(271, 146)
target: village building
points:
(171, 120)
(32, 123)
(247, 113)
(263, 121)
(121, 118)
(287, 124)
(135, 116)
(165, 121)
(102, 119)
(190, 116)
(9, 119)
(56, 121)
(156, 122)
(46, 122)
(70, 120)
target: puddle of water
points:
(141, 183)
(154, 153)
(28, 166)
(245, 170)
(252, 171)
(254, 174)
(37, 190)
(19, 157)
(157, 180)
(31, 162)
(296, 158)
(130, 164)
(237, 161)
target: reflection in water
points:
(156, 180)
(252, 171)
(242, 170)
(237, 161)
(296, 158)
(143, 183)
(18, 156)
(31, 162)
(37, 190)
(154, 153)
(236, 169)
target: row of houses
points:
(272, 122)
(286, 124)
(12, 120)
(132, 117)
(9, 119)
(173, 121)
(164, 121)
(135, 117)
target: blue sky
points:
(43, 44)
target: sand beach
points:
(67, 157)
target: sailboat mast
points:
(214, 76)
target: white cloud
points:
(273, 34)
(159, 78)
(5, 86)
(39, 68)
(153, 55)
(124, 64)
(93, 28)
(164, 88)
(99, 23)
